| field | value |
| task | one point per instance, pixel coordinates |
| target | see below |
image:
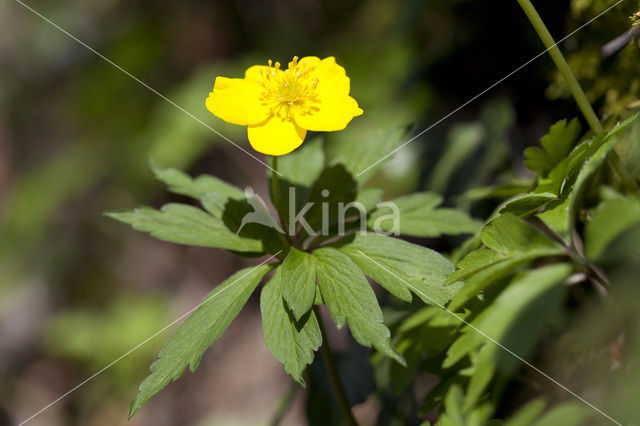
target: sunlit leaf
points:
(402, 267)
(180, 223)
(199, 331)
(298, 281)
(291, 341)
(350, 298)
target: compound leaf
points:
(198, 332)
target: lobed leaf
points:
(561, 218)
(402, 267)
(474, 262)
(555, 147)
(513, 320)
(509, 235)
(349, 297)
(298, 281)
(487, 276)
(184, 224)
(291, 341)
(179, 182)
(199, 331)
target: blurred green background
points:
(78, 290)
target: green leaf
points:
(199, 331)
(609, 221)
(493, 273)
(418, 216)
(567, 414)
(183, 224)
(508, 235)
(555, 147)
(235, 213)
(462, 142)
(225, 202)
(526, 204)
(369, 197)
(291, 341)
(511, 189)
(349, 298)
(528, 414)
(363, 159)
(401, 267)
(561, 218)
(514, 320)
(573, 175)
(329, 197)
(298, 171)
(299, 281)
(512, 243)
(179, 182)
(304, 165)
(475, 261)
(454, 415)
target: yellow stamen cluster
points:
(290, 89)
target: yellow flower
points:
(279, 106)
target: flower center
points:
(291, 90)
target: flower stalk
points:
(275, 192)
(576, 90)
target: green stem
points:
(284, 405)
(576, 90)
(275, 193)
(562, 65)
(334, 377)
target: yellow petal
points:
(237, 101)
(257, 73)
(309, 61)
(278, 136)
(329, 114)
(332, 79)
